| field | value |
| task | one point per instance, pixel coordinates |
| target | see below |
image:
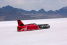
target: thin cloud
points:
(63, 2)
(35, 4)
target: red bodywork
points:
(27, 27)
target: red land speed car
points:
(29, 27)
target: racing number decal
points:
(24, 28)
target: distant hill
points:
(11, 13)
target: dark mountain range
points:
(11, 13)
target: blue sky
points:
(35, 4)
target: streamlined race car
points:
(29, 27)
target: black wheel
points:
(44, 26)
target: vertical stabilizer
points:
(20, 23)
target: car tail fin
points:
(20, 23)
